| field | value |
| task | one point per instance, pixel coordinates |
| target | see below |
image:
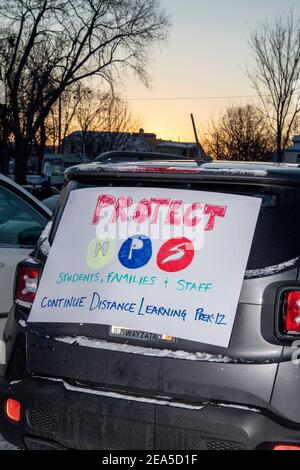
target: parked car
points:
(22, 220)
(134, 157)
(51, 202)
(88, 385)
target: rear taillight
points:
(291, 316)
(13, 410)
(286, 447)
(27, 280)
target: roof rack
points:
(123, 157)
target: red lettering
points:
(142, 212)
(103, 201)
(187, 220)
(213, 212)
(123, 202)
(172, 217)
(159, 203)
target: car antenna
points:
(201, 154)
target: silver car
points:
(22, 220)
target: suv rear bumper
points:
(56, 415)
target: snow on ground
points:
(4, 445)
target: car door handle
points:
(2, 265)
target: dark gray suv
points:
(89, 386)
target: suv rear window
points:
(277, 234)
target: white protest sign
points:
(165, 261)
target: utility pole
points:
(201, 153)
(59, 125)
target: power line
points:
(194, 98)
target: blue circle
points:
(136, 252)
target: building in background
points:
(182, 149)
(83, 147)
(54, 166)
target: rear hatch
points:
(120, 360)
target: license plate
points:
(128, 333)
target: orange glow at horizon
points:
(168, 120)
(171, 120)
(207, 55)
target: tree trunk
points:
(279, 150)
(41, 149)
(3, 158)
(21, 157)
(4, 151)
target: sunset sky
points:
(206, 56)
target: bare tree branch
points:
(241, 133)
(276, 74)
